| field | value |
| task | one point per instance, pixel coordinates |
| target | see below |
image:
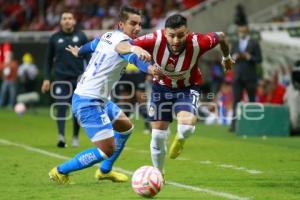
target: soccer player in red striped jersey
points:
(177, 52)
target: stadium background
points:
(27, 25)
(275, 161)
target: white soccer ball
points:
(20, 108)
(147, 181)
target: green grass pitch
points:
(215, 164)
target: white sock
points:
(185, 131)
(61, 138)
(158, 147)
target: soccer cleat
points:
(54, 175)
(176, 147)
(61, 144)
(112, 175)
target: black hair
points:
(67, 11)
(175, 21)
(125, 10)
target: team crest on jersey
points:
(170, 67)
(75, 39)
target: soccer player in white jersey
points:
(90, 103)
(177, 52)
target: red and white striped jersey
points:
(180, 70)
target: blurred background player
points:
(67, 69)
(8, 72)
(247, 53)
(292, 99)
(91, 105)
(131, 92)
(27, 74)
(177, 52)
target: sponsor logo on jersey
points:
(106, 38)
(108, 35)
(60, 40)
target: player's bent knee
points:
(185, 131)
(122, 124)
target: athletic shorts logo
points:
(104, 119)
(151, 111)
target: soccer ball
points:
(20, 108)
(147, 181)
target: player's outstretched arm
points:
(144, 66)
(87, 48)
(125, 47)
(227, 61)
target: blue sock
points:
(120, 141)
(82, 160)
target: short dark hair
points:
(125, 10)
(175, 21)
(67, 12)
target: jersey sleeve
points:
(115, 37)
(134, 59)
(89, 47)
(146, 42)
(207, 41)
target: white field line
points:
(207, 162)
(179, 185)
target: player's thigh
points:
(186, 118)
(186, 107)
(92, 117)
